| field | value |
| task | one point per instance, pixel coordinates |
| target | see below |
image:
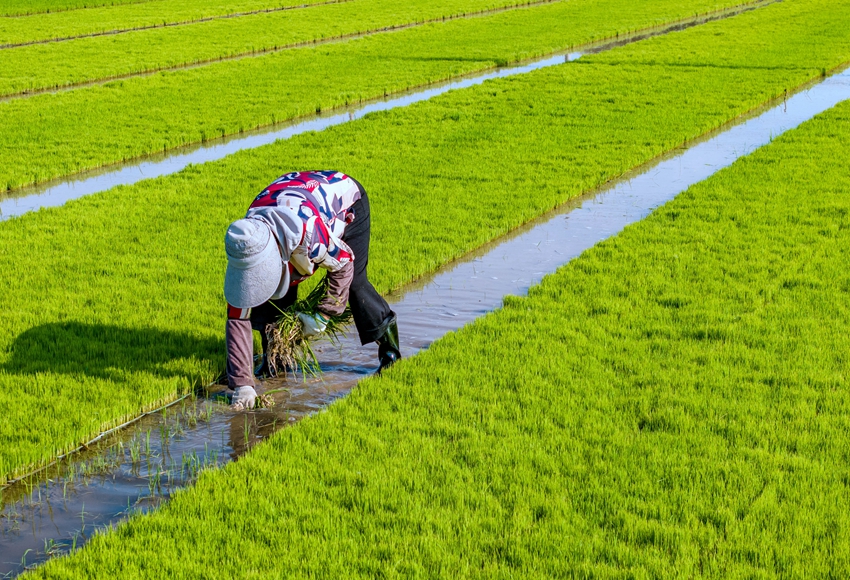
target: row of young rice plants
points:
(130, 118)
(65, 26)
(129, 16)
(47, 66)
(27, 7)
(114, 302)
(672, 404)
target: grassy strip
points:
(126, 16)
(115, 301)
(672, 404)
(28, 7)
(47, 66)
(126, 119)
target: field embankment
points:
(114, 302)
(673, 403)
(130, 118)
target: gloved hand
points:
(244, 398)
(312, 323)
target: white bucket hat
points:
(254, 264)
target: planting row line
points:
(128, 307)
(131, 118)
(41, 68)
(126, 17)
(671, 404)
(14, 8)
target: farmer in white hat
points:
(302, 220)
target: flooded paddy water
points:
(137, 468)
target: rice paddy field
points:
(673, 403)
(141, 115)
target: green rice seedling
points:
(353, 71)
(288, 348)
(128, 17)
(88, 60)
(155, 482)
(27, 7)
(679, 410)
(192, 465)
(136, 316)
(24, 559)
(53, 548)
(187, 16)
(135, 452)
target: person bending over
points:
(302, 221)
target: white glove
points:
(244, 398)
(312, 324)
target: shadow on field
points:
(109, 351)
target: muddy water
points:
(58, 192)
(138, 468)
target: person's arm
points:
(334, 255)
(240, 347)
(339, 283)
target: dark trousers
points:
(371, 312)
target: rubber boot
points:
(388, 347)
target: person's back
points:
(300, 221)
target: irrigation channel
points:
(57, 192)
(138, 468)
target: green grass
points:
(114, 301)
(672, 404)
(126, 119)
(24, 7)
(47, 66)
(126, 16)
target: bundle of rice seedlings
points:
(288, 348)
